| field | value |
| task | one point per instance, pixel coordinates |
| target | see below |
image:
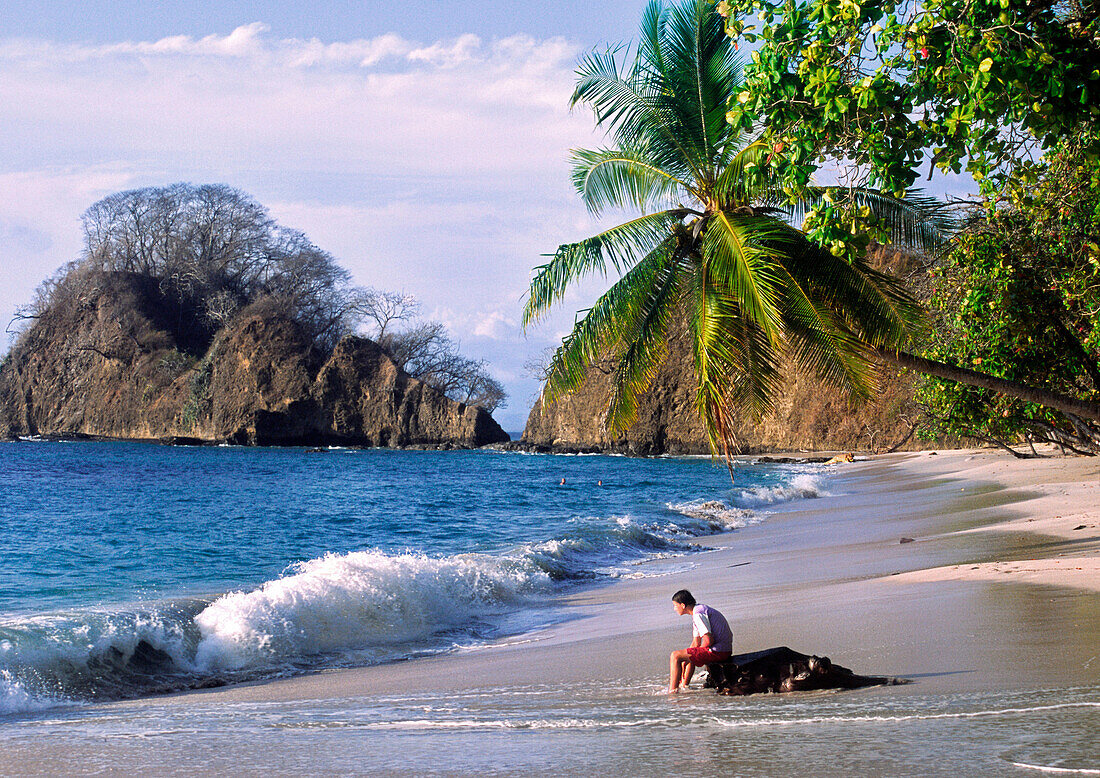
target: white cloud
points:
(438, 168)
(494, 324)
(448, 55)
(241, 100)
(361, 53)
(245, 41)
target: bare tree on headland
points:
(385, 308)
(428, 353)
(210, 251)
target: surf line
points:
(1064, 770)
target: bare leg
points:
(688, 671)
(676, 670)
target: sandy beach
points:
(990, 606)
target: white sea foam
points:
(800, 487)
(718, 514)
(893, 719)
(14, 697)
(1057, 770)
(363, 599)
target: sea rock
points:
(111, 365)
(783, 670)
(808, 416)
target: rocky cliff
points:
(808, 416)
(112, 363)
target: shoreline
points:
(960, 611)
(760, 455)
(868, 566)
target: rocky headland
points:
(114, 363)
(809, 416)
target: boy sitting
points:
(711, 641)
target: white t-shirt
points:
(700, 624)
(705, 619)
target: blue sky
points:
(102, 21)
(424, 145)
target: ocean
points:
(536, 611)
(135, 569)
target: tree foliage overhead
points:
(881, 89)
(1019, 296)
(710, 247)
(980, 85)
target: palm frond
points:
(746, 178)
(619, 178)
(628, 101)
(649, 45)
(821, 342)
(917, 221)
(621, 247)
(873, 306)
(735, 364)
(644, 345)
(702, 66)
(740, 253)
(602, 324)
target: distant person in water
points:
(711, 641)
(562, 482)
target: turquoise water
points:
(132, 569)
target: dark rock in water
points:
(783, 670)
(182, 440)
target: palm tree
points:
(711, 246)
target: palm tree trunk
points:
(1059, 402)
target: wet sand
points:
(993, 601)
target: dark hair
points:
(684, 598)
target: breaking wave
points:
(360, 608)
(356, 608)
(800, 487)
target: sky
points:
(425, 146)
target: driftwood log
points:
(783, 670)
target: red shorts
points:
(700, 656)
